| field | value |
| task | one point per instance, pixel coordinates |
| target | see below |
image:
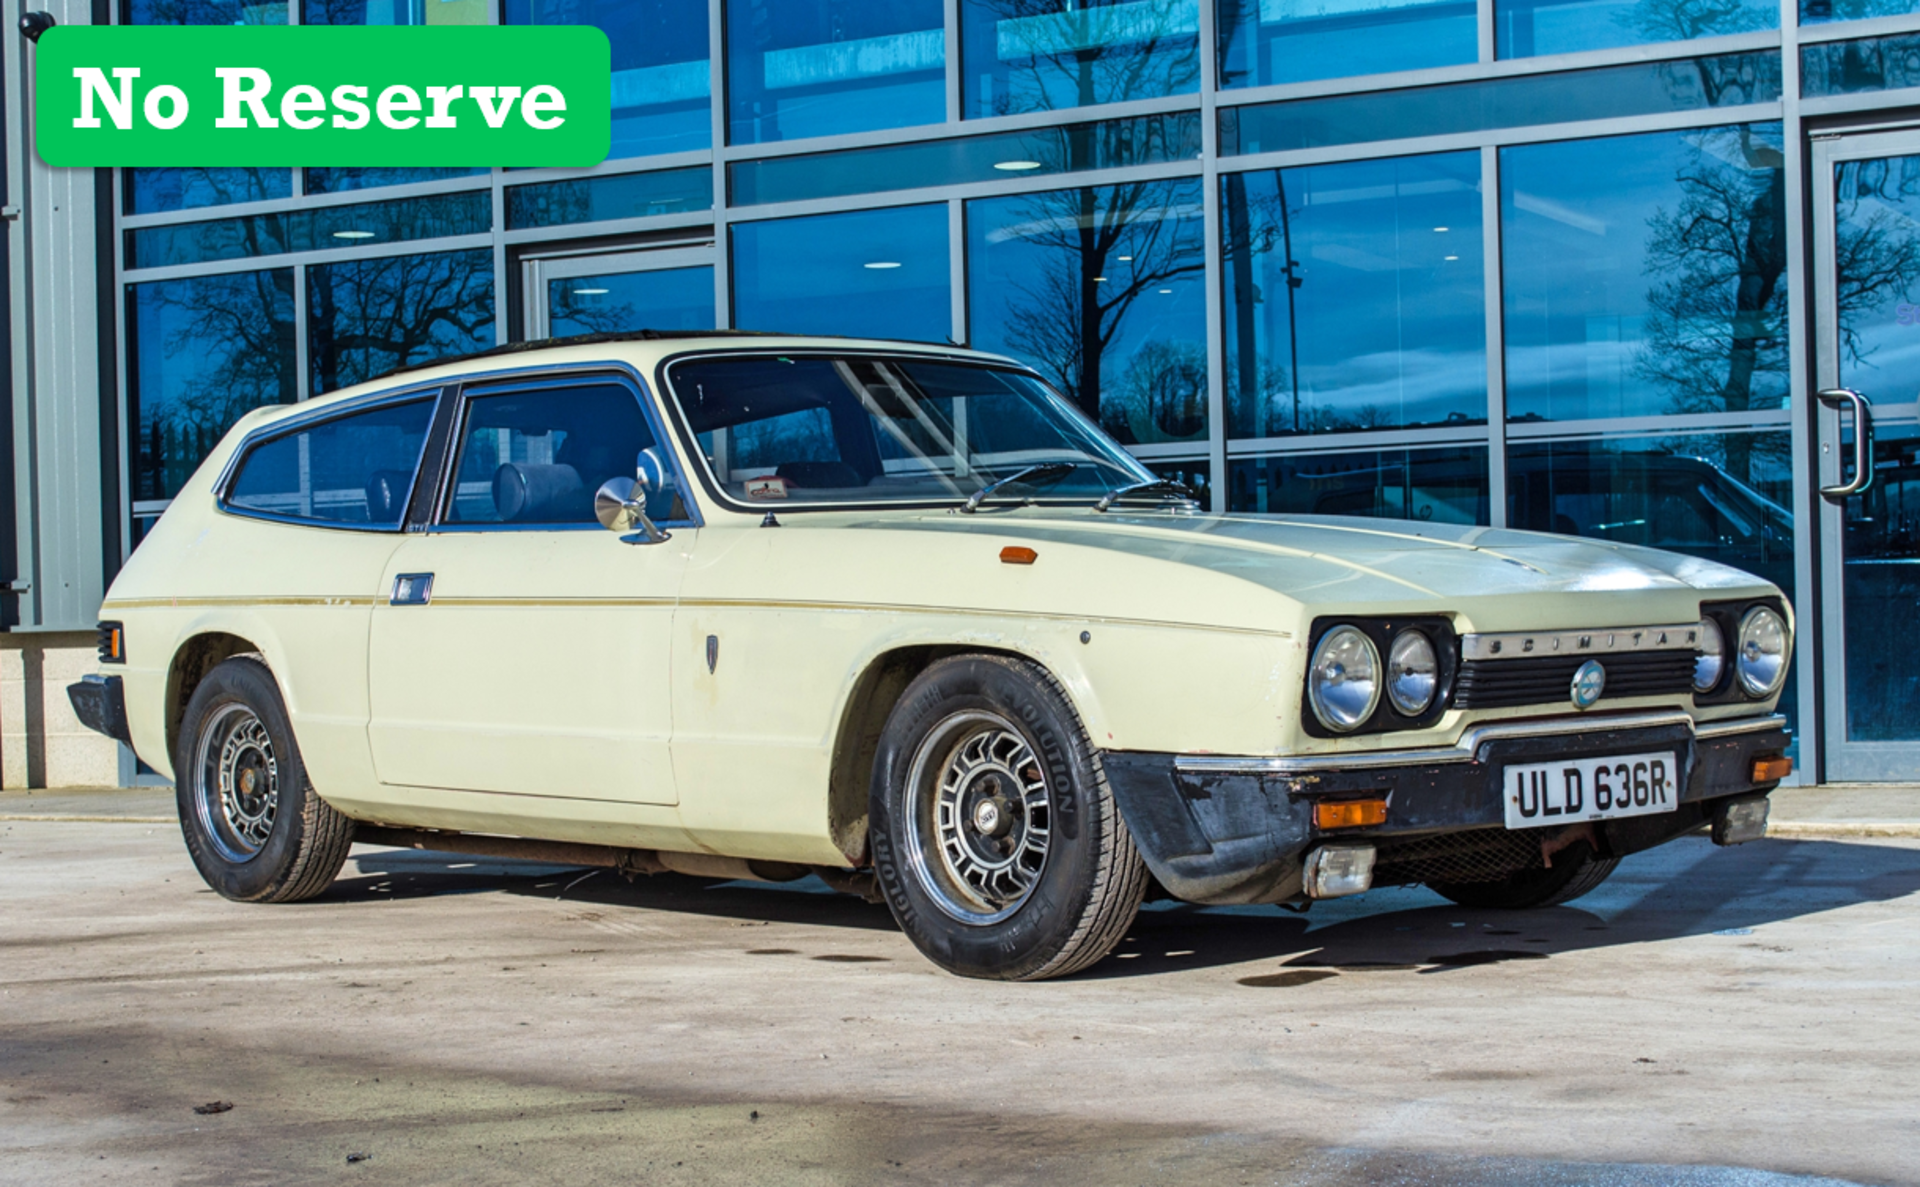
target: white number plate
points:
(1544, 793)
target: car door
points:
(522, 648)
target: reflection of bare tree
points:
(236, 332)
(1876, 245)
(586, 313)
(368, 316)
(1684, 20)
(1060, 54)
(1166, 383)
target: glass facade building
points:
(1567, 265)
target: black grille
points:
(1545, 679)
(1481, 855)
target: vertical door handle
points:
(1842, 397)
(412, 589)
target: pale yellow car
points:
(898, 616)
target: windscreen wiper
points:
(1043, 470)
(1154, 486)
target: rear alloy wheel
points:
(253, 825)
(996, 839)
(1574, 872)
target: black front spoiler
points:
(101, 705)
(1218, 835)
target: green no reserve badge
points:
(437, 95)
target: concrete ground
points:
(1710, 1017)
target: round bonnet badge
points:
(1589, 680)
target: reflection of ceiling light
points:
(1442, 229)
(879, 264)
(1100, 280)
(353, 234)
(589, 292)
(1453, 257)
(1126, 259)
(1166, 290)
(1016, 166)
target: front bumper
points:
(1236, 830)
(100, 703)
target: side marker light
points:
(1349, 814)
(1772, 769)
(1014, 554)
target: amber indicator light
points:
(1350, 814)
(1014, 554)
(1767, 770)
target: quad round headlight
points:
(1344, 683)
(1762, 660)
(1711, 663)
(1413, 673)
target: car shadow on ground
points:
(1681, 889)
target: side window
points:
(355, 469)
(536, 456)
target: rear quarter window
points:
(355, 469)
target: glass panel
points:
(591, 199)
(1447, 485)
(394, 12)
(1815, 12)
(1036, 153)
(1526, 28)
(366, 317)
(1850, 67)
(1881, 584)
(1196, 473)
(1044, 55)
(1279, 41)
(814, 429)
(803, 68)
(663, 299)
(316, 228)
(660, 68)
(1720, 496)
(201, 353)
(1877, 283)
(1102, 290)
(537, 457)
(357, 469)
(1641, 89)
(153, 191)
(1354, 296)
(1646, 274)
(205, 12)
(340, 180)
(868, 274)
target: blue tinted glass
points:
(150, 191)
(1103, 291)
(394, 12)
(1447, 485)
(1642, 89)
(1043, 55)
(1849, 67)
(1528, 28)
(1276, 41)
(313, 229)
(663, 299)
(366, 317)
(357, 469)
(1035, 153)
(340, 181)
(205, 12)
(1815, 12)
(1721, 496)
(660, 69)
(1380, 321)
(870, 274)
(592, 199)
(819, 67)
(200, 353)
(1645, 274)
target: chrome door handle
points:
(412, 589)
(1838, 398)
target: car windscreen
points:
(859, 429)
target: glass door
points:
(664, 288)
(1866, 202)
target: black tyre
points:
(996, 840)
(253, 825)
(1575, 871)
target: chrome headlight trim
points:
(1343, 683)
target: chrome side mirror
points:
(621, 506)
